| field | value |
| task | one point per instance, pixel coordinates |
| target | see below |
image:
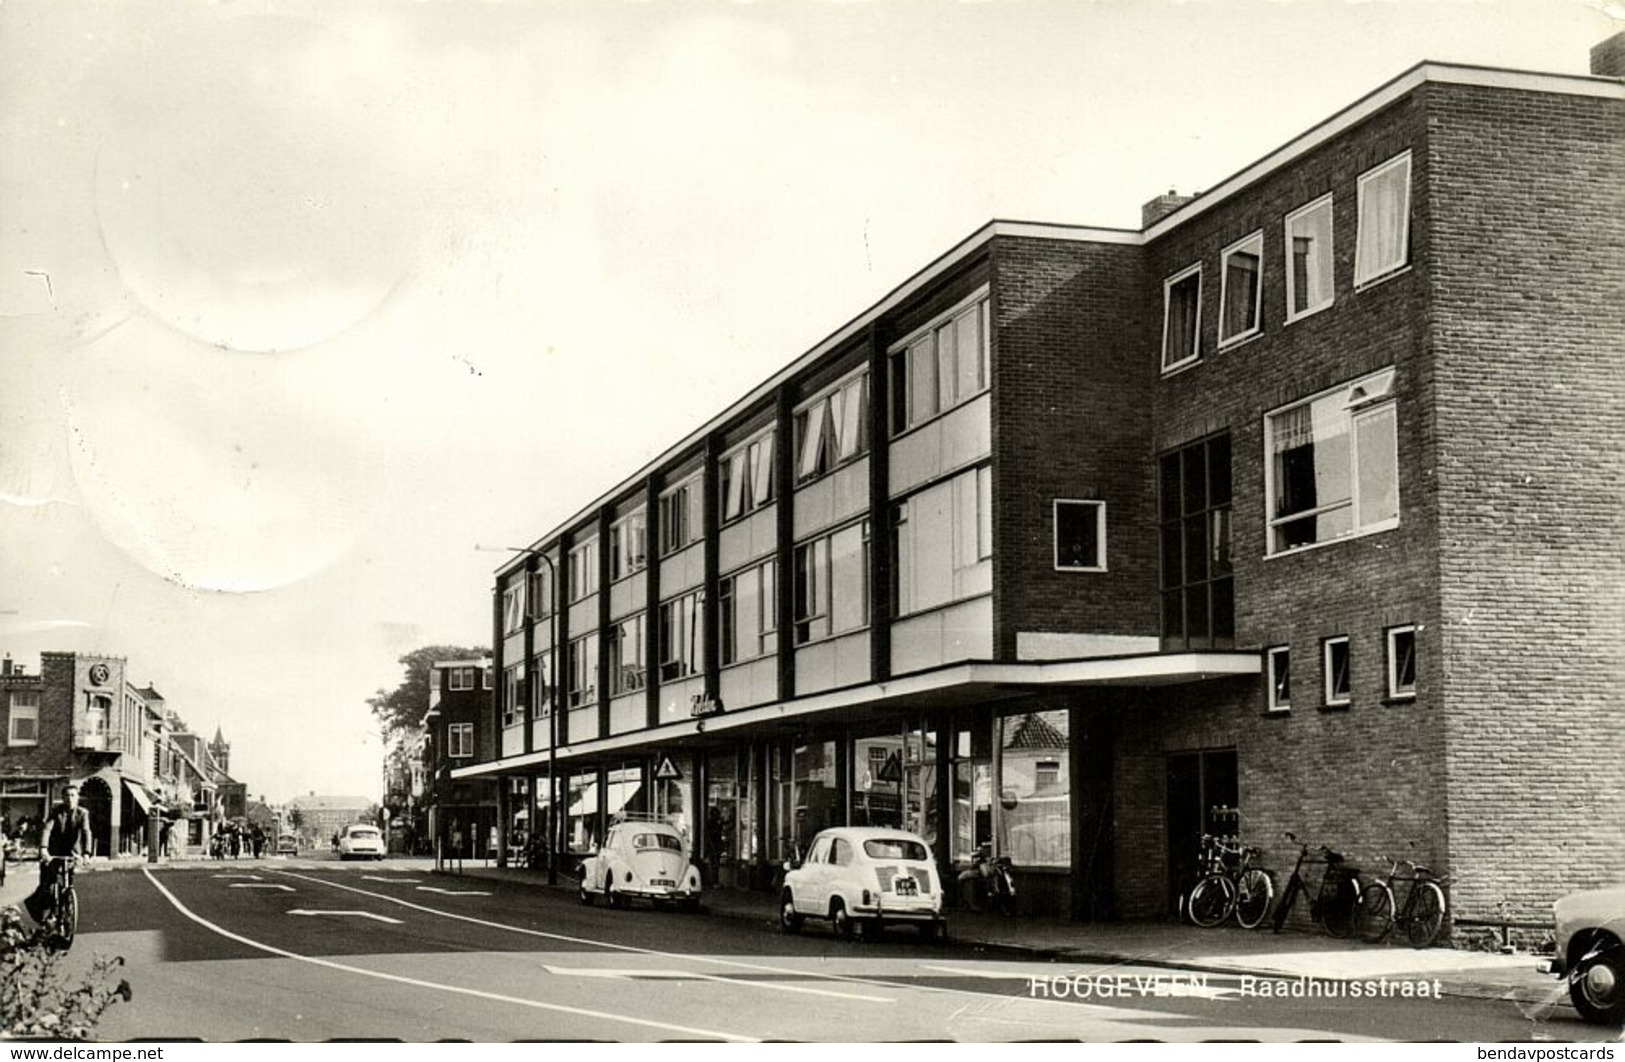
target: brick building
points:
(457, 731)
(1296, 509)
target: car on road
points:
(644, 859)
(865, 876)
(1591, 952)
(361, 842)
(287, 844)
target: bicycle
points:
(1336, 900)
(62, 920)
(1422, 913)
(1232, 885)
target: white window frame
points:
(542, 678)
(629, 544)
(1329, 697)
(1395, 691)
(824, 443)
(628, 675)
(460, 741)
(1368, 397)
(909, 348)
(1325, 203)
(689, 488)
(513, 606)
(747, 475)
(762, 632)
(461, 678)
(822, 569)
(581, 569)
(512, 678)
(1368, 273)
(682, 657)
(582, 657)
(1255, 242)
(20, 709)
(1196, 325)
(1100, 534)
(1273, 676)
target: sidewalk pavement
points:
(1167, 945)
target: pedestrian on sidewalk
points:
(457, 844)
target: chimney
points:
(1161, 207)
(5, 665)
(1608, 58)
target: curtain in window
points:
(1240, 293)
(1384, 222)
(812, 438)
(1292, 439)
(1183, 307)
(761, 467)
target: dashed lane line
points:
(415, 982)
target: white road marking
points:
(624, 975)
(350, 914)
(250, 877)
(452, 892)
(392, 881)
(419, 983)
(251, 885)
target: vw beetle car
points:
(865, 876)
(1591, 952)
(642, 858)
(287, 844)
(361, 842)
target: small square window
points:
(1241, 291)
(1335, 659)
(1080, 536)
(1280, 676)
(1182, 318)
(1401, 662)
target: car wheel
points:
(840, 920)
(789, 919)
(1597, 983)
(610, 896)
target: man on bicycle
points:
(65, 835)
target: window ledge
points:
(1334, 707)
(1179, 367)
(1402, 698)
(1227, 345)
(1298, 551)
(1311, 312)
(1382, 278)
(1282, 712)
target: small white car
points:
(646, 859)
(361, 842)
(865, 876)
(1591, 952)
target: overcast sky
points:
(299, 303)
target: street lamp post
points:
(552, 703)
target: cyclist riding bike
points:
(64, 838)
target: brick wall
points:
(1070, 420)
(1528, 265)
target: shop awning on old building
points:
(139, 794)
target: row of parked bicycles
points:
(1410, 897)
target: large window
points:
(833, 428)
(940, 366)
(541, 699)
(1384, 243)
(1334, 464)
(1309, 259)
(541, 590)
(628, 664)
(1241, 294)
(583, 656)
(748, 603)
(1182, 318)
(747, 476)
(942, 536)
(682, 636)
(629, 544)
(832, 583)
(513, 607)
(23, 725)
(583, 569)
(513, 680)
(460, 740)
(1035, 820)
(1198, 599)
(681, 517)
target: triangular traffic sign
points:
(667, 771)
(892, 769)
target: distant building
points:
(321, 816)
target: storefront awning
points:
(139, 794)
(955, 683)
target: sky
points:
(302, 303)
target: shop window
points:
(1034, 816)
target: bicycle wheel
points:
(1337, 909)
(1212, 900)
(1426, 916)
(1254, 891)
(1375, 915)
(68, 925)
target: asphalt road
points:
(301, 950)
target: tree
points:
(401, 709)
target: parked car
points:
(287, 844)
(1591, 952)
(361, 842)
(865, 876)
(641, 858)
